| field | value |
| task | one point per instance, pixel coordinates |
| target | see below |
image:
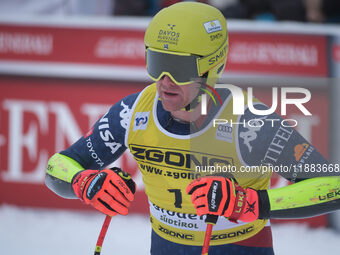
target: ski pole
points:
(102, 235)
(211, 221)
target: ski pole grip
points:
(211, 219)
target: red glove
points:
(110, 191)
(222, 196)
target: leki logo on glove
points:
(124, 175)
(250, 207)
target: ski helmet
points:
(187, 41)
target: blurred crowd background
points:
(316, 11)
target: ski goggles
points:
(182, 68)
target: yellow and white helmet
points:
(187, 41)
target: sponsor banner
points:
(110, 46)
(269, 53)
(40, 117)
(336, 53)
(292, 54)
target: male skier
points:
(163, 127)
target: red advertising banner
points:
(272, 53)
(40, 117)
(336, 53)
(251, 52)
(72, 45)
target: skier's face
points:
(173, 96)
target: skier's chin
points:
(171, 106)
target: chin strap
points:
(192, 105)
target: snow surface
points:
(27, 231)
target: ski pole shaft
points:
(102, 235)
(211, 221)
